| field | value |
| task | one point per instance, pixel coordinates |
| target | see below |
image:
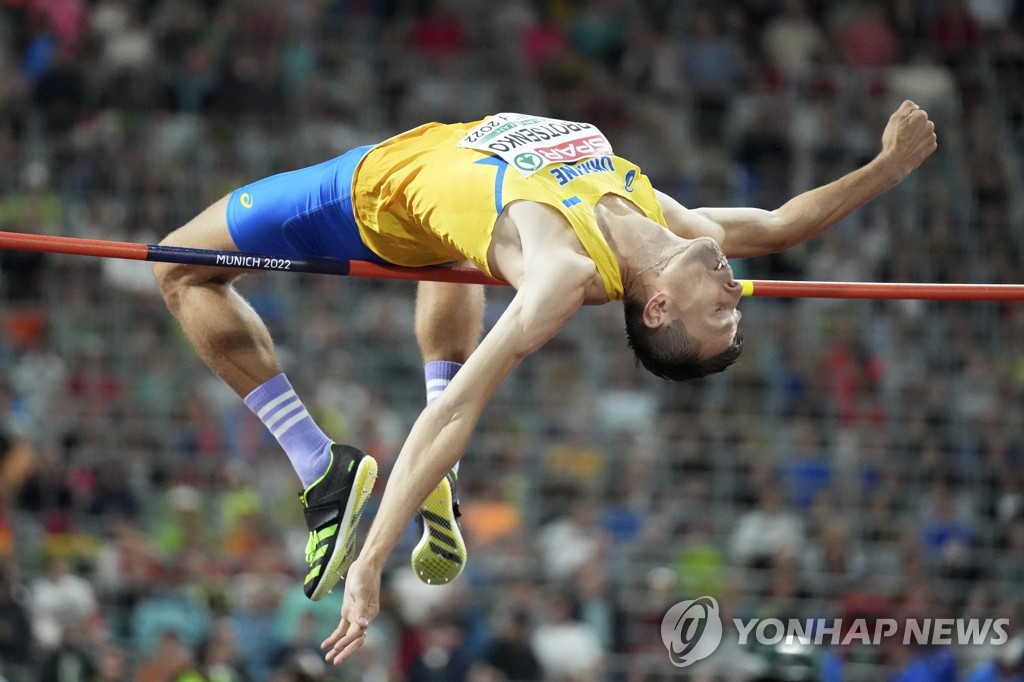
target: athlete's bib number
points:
(529, 143)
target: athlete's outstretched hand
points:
(908, 139)
(360, 606)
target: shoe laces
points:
(311, 545)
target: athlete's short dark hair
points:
(669, 352)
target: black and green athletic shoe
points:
(440, 555)
(334, 504)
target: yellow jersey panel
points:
(420, 199)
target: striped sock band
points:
(438, 374)
(284, 415)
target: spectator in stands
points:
(437, 31)
(833, 561)
(568, 542)
(598, 32)
(864, 36)
(126, 565)
(112, 665)
(1008, 67)
(914, 662)
(794, 43)
(956, 33)
(594, 593)
(112, 494)
(16, 651)
(701, 564)
(170, 616)
(565, 647)
(489, 517)
(713, 66)
(219, 659)
(76, 651)
(510, 656)
(806, 470)
(947, 532)
(170, 661)
(766, 531)
(544, 41)
(1006, 666)
(442, 652)
(61, 601)
(1009, 566)
(930, 80)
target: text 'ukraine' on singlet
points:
(422, 199)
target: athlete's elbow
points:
(527, 348)
(768, 235)
(774, 241)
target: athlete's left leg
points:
(232, 339)
(449, 319)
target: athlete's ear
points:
(655, 312)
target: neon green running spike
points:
(440, 555)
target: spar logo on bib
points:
(691, 630)
(529, 143)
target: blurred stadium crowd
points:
(862, 459)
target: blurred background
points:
(863, 459)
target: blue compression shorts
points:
(301, 214)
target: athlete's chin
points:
(706, 250)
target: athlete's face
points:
(698, 289)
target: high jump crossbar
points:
(463, 275)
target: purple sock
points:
(439, 374)
(284, 415)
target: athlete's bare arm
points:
(552, 289)
(908, 139)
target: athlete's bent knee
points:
(170, 278)
(175, 279)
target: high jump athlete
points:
(544, 205)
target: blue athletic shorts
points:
(301, 214)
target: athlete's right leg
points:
(235, 343)
(449, 319)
